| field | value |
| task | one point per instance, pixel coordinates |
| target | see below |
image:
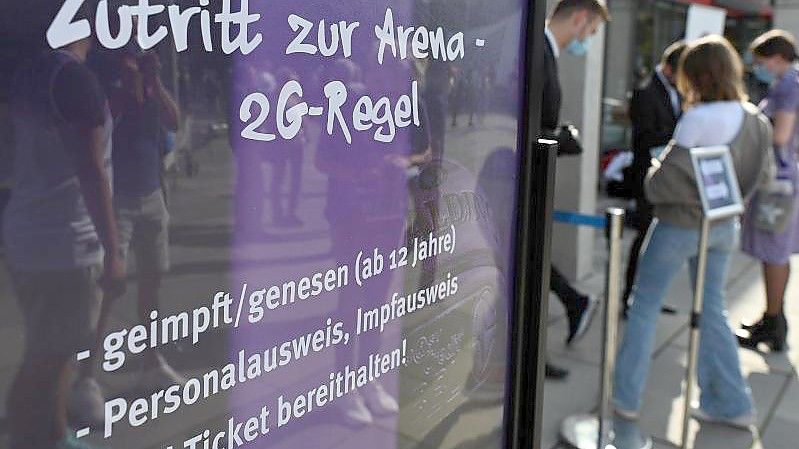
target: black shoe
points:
(749, 325)
(553, 372)
(580, 318)
(770, 330)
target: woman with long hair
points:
(717, 113)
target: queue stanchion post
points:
(595, 431)
(696, 316)
(721, 199)
(615, 227)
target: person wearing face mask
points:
(771, 224)
(654, 111)
(569, 28)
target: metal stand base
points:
(582, 431)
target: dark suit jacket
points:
(653, 120)
(550, 106)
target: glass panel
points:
(308, 242)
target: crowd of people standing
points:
(696, 98)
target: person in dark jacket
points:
(654, 111)
(569, 28)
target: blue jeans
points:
(724, 392)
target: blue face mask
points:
(578, 47)
(763, 74)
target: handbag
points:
(774, 203)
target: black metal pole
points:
(532, 250)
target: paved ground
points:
(772, 376)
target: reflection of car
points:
(455, 347)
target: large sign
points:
(704, 20)
(265, 224)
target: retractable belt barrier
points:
(595, 431)
(573, 218)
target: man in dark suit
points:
(654, 111)
(569, 27)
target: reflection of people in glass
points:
(464, 93)
(60, 234)
(365, 209)
(497, 188)
(419, 164)
(143, 113)
(436, 96)
(286, 158)
(250, 192)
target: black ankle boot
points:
(771, 330)
(749, 325)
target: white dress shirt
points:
(673, 95)
(553, 44)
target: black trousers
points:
(645, 212)
(568, 296)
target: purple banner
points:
(261, 223)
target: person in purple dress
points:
(771, 224)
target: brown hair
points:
(672, 54)
(711, 70)
(597, 7)
(775, 43)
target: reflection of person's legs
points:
(249, 190)
(60, 316)
(668, 249)
(150, 244)
(276, 188)
(725, 393)
(373, 399)
(454, 104)
(295, 168)
(470, 102)
(437, 116)
(36, 416)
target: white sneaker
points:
(354, 408)
(379, 401)
(86, 403)
(160, 376)
(739, 422)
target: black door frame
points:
(532, 250)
